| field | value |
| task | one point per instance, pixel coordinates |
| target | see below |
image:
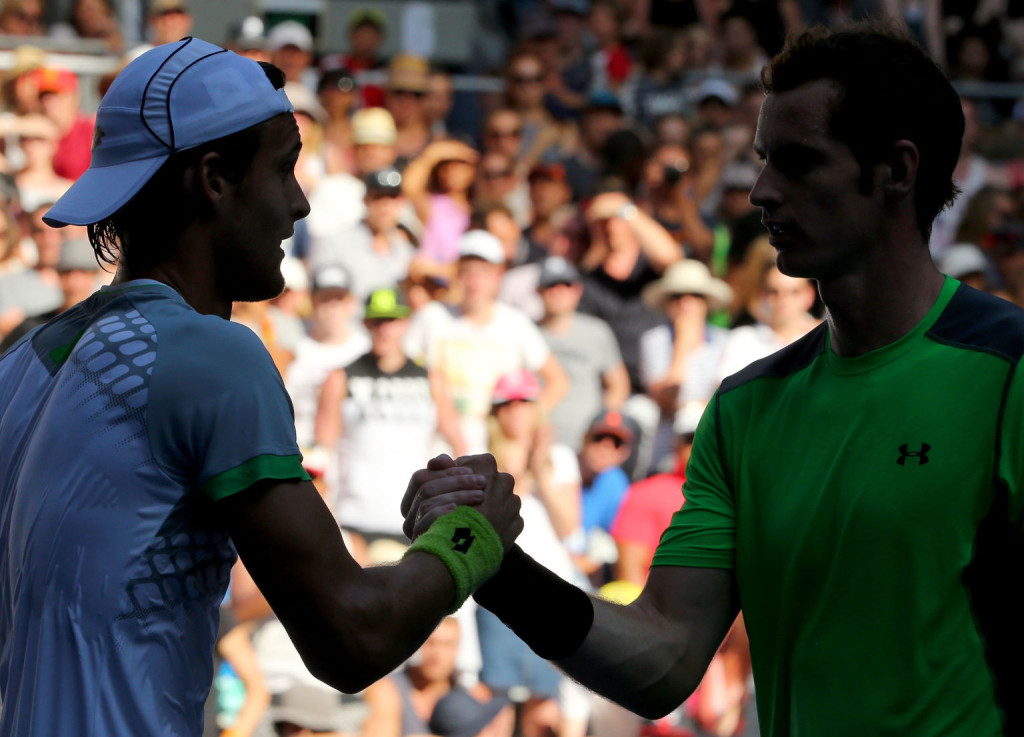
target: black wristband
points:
(550, 615)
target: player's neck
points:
(881, 302)
(202, 300)
(188, 270)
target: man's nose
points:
(764, 193)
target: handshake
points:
(474, 481)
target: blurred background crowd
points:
(529, 235)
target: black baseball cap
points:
(338, 78)
(556, 270)
(386, 181)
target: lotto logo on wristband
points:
(462, 539)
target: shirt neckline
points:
(886, 354)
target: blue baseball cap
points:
(172, 98)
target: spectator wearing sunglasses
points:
(408, 84)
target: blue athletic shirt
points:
(121, 421)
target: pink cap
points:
(520, 384)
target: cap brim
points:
(623, 435)
(717, 295)
(394, 315)
(547, 283)
(517, 397)
(100, 192)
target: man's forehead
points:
(800, 116)
(283, 133)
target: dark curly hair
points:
(889, 90)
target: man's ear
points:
(206, 182)
(902, 165)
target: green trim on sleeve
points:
(255, 469)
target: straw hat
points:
(688, 277)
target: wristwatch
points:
(628, 211)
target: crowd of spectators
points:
(561, 276)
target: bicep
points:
(699, 603)
(289, 543)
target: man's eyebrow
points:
(791, 150)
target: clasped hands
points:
(470, 480)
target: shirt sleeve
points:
(535, 348)
(220, 418)
(565, 465)
(414, 344)
(1011, 452)
(703, 533)
(609, 354)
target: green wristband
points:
(467, 544)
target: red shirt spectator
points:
(58, 96)
(649, 504)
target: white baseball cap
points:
(290, 33)
(172, 98)
(481, 244)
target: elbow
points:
(654, 711)
(348, 683)
(655, 704)
(349, 673)
(350, 654)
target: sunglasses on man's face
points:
(600, 438)
(506, 133)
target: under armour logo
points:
(920, 455)
(462, 539)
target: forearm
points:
(556, 383)
(695, 232)
(665, 393)
(562, 502)
(629, 654)
(327, 427)
(353, 625)
(354, 634)
(682, 349)
(417, 175)
(658, 245)
(415, 179)
(616, 387)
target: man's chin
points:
(253, 290)
(791, 264)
